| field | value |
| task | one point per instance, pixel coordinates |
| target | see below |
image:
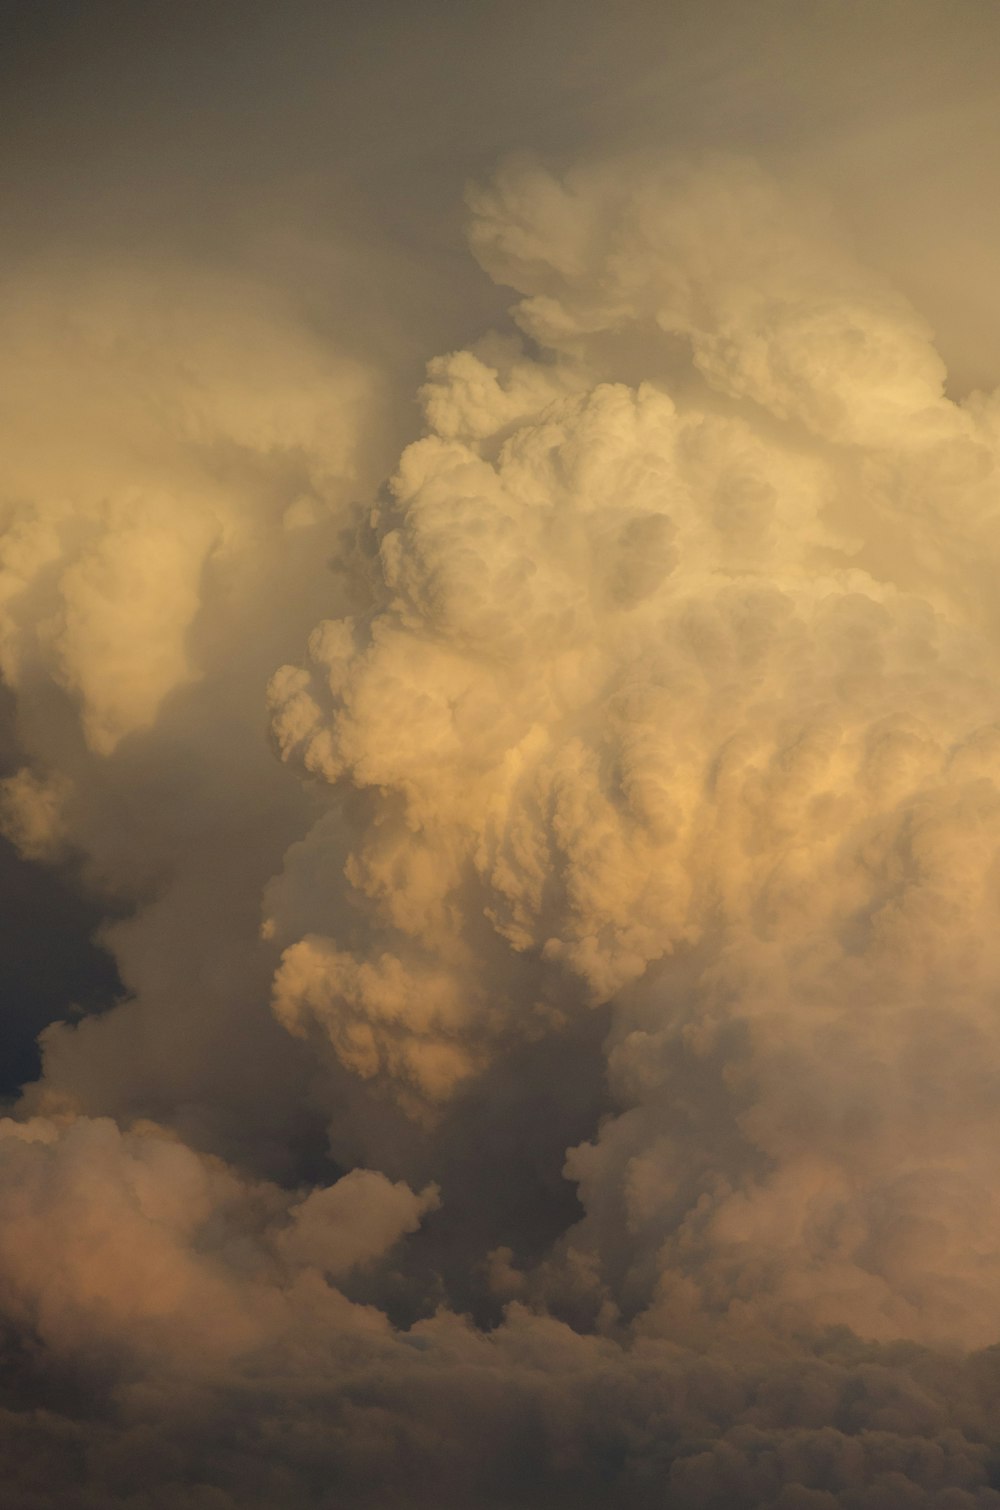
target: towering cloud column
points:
(678, 693)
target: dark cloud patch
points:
(51, 968)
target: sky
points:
(500, 755)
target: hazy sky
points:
(500, 756)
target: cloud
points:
(549, 858)
(179, 452)
(648, 712)
(130, 1246)
(159, 391)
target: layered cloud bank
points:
(551, 872)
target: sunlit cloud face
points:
(652, 711)
(522, 695)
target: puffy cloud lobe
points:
(161, 393)
(774, 309)
(132, 1245)
(352, 1222)
(516, 590)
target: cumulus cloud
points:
(546, 836)
(649, 712)
(158, 390)
(131, 1245)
